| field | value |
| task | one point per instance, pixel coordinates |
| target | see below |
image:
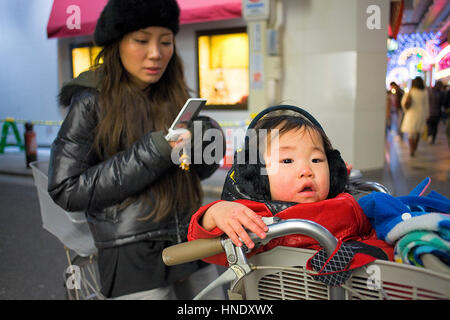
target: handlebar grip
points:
(191, 251)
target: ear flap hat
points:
(246, 180)
(120, 17)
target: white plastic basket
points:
(71, 228)
(387, 280)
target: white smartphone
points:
(189, 111)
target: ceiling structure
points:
(426, 16)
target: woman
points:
(415, 105)
(111, 159)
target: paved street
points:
(32, 260)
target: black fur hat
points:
(120, 17)
(245, 181)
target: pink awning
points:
(193, 11)
(70, 18)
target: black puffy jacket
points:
(79, 181)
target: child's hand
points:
(232, 218)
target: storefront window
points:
(223, 68)
(83, 58)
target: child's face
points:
(297, 168)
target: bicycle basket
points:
(394, 281)
(70, 228)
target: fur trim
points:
(120, 17)
(88, 79)
(66, 94)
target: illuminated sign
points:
(443, 63)
(255, 9)
(398, 74)
(416, 52)
(410, 52)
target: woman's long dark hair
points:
(127, 112)
(418, 83)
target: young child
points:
(301, 177)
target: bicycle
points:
(81, 277)
(281, 272)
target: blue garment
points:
(416, 243)
(399, 219)
(387, 213)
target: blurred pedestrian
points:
(446, 112)
(415, 105)
(437, 100)
(395, 110)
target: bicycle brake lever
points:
(236, 257)
(239, 267)
(237, 261)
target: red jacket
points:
(342, 216)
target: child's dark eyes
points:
(315, 160)
(140, 41)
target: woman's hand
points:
(232, 218)
(183, 136)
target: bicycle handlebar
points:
(191, 251)
(203, 248)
